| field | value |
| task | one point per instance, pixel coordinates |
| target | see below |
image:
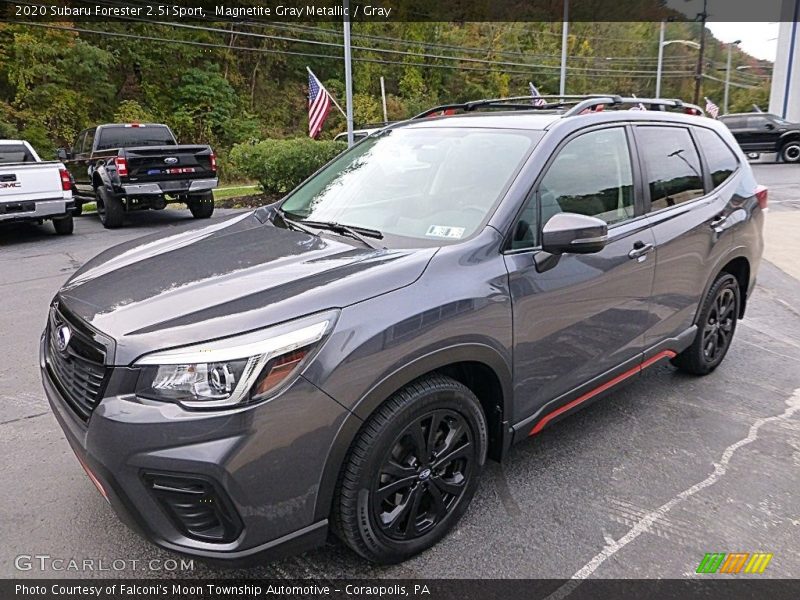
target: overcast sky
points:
(758, 39)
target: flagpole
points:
(562, 85)
(335, 103)
(348, 74)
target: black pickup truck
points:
(766, 133)
(136, 166)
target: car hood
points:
(201, 283)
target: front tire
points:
(790, 152)
(109, 209)
(201, 205)
(412, 471)
(64, 225)
(716, 325)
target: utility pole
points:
(698, 77)
(728, 77)
(562, 87)
(348, 74)
(660, 58)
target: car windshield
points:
(133, 136)
(432, 185)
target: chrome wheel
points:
(424, 475)
(791, 152)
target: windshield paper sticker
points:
(444, 231)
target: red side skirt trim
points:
(602, 388)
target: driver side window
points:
(591, 175)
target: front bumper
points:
(178, 186)
(267, 458)
(35, 209)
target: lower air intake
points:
(197, 507)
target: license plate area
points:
(17, 207)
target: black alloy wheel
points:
(718, 328)
(412, 470)
(716, 324)
(424, 475)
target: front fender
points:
(383, 389)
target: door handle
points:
(717, 222)
(640, 249)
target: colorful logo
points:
(734, 562)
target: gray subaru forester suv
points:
(347, 358)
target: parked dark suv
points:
(759, 133)
(349, 357)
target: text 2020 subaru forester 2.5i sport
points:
(347, 359)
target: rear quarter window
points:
(722, 162)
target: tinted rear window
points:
(734, 122)
(722, 162)
(130, 137)
(673, 166)
(15, 153)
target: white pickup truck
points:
(32, 189)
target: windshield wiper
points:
(357, 233)
(295, 225)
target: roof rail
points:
(552, 102)
(577, 104)
(648, 103)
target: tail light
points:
(122, 166)
(213, 160)
(66, 184)
(761, 196)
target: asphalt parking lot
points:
(641, 484)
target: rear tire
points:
(64, 225)
(201, 205)
(412, 471)
(716, 325)
(109, 209)
(790, 152)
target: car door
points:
(690, 221)
(579, 317)
(761, 134)
(80, 171)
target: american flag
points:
(712, 109)
(537, 97)
(319, 105)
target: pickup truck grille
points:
(78, 369)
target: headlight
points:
(232, 371)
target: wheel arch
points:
(790, 137)
(739, 267)
(737, 264)
(479, 367)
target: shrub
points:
(280, 165)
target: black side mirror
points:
(575, 234)
(769, 126)
(62, 153)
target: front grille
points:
(197, 507)
(78, 370)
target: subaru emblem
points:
(171, 160)
(63, 336)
